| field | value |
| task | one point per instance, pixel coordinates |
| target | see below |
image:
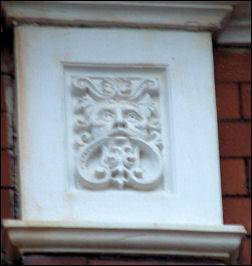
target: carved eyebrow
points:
(138, 112)
(132, 111)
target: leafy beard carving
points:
(117, 130)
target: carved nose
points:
(119, 121)
(119, 124)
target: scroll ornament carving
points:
(117, 132)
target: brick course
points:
(3, 103)
(7, 62)
(227, 99)
(246, 252)
(249, 174)
(246, 100)
(237, 211)
(5, 129)
(232, 65)
(79, 260)
(123, 262)
(6, 203)
(7, 68)
(5, 169)
(235, 139)
(51, 260)
(233, 177)
(2, 239)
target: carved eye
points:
(133, 117)
(107, 115)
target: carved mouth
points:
(120, 132)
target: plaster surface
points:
(183, 92)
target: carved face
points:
(114, 119)
(117, 132)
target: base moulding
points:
(220, 242)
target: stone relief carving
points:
(117, 132)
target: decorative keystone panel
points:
(116, 130)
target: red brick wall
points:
(233, 91)
(8, 191)
(233, 97)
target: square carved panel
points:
(123, 129)
(114, 126)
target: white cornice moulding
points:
(195, 15)
(230, 19)
(215, 242)
(237, 32)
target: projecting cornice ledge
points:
(195, 15)
(215, 242)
